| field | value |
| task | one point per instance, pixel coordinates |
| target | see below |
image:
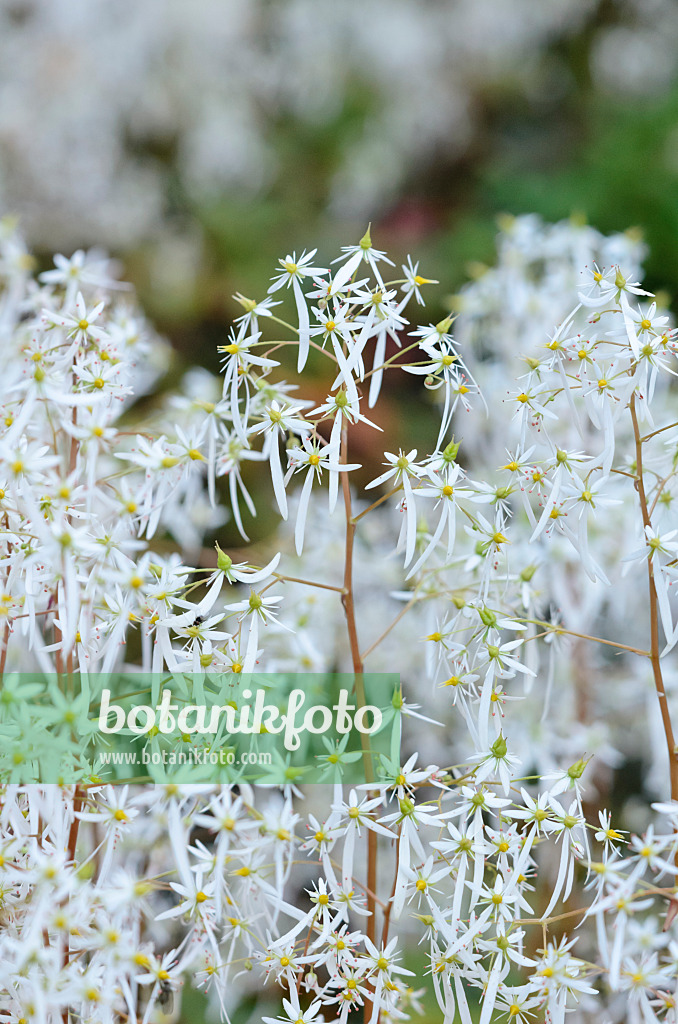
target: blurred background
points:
(201, 141)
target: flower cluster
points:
(486, 583)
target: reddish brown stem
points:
(654, 618)
(358, 669)
(387, 911)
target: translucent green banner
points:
(272, 729)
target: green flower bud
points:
(366, 241)
(487, 617)
(576, 770)
(451, 451)
(499, 747)
(224, 563)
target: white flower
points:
(315, 458)
(293, 272)
(80, 325)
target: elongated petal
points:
(277, 476)
(304, 329)
(302, 509)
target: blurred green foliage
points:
(620, 170)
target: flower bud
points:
(487, 617)
(499, 747)
(450, 452)
(576, 770)
(224, 563)
(366, 241)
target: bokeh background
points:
(200, 141)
